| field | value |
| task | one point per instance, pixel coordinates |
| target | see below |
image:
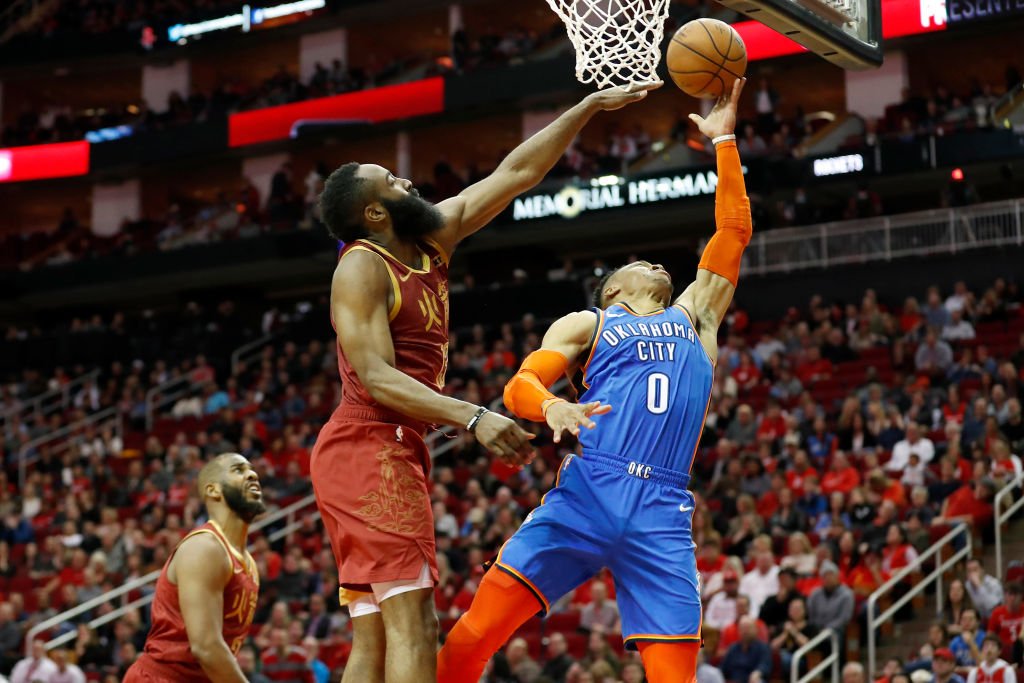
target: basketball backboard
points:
(847, 33)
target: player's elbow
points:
(202, 650)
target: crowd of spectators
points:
(840, 443)
(469, 51)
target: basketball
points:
(705, 57)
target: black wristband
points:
(471, 427)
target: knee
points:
(411, 623)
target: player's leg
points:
(501, 605)
(670, 662)
(656, 582)
(366, 662)
(410, 628)
(558, 547)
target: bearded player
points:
(206, 594)
(389, 305)
(623, 504)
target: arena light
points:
(957, 174)
(245, 19)
(376, 105)
(37, 162)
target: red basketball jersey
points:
(167, 647)
(418, 320)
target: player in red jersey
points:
(389, 305)
(206, 594)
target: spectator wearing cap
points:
(831, 604)
(985, 590)
(991, 668)
(944, 667)
(750, 659)
(1007, 620)
(967, 646)
(721, 609)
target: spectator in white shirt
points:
(958, 300)
(761, 583)
(992, 669)
(721, 610)
(913, 443)
(957, 329)
(600, 611)
(36, 667)
(66, 671)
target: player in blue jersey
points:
(624, 503)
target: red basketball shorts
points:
(370, 481)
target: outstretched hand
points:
(568, 417)
(721, 120)
(617, 96)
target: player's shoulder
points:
(203, 548)
(360, 266)
(576, 324)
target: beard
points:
(413, 217)
(247, 509)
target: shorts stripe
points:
(526, 582)
(656, 638)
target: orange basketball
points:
(705, 57)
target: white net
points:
(617, 42)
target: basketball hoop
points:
(617, 42)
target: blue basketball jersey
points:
(656, 375)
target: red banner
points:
(899, 18)
(379, 104)
(59, 160)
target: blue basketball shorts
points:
(609, 511)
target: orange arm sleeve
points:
(526, 394)
(733, 225)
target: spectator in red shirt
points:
(746, 374)
(773, 423)
(1007, 619)
(898, 553)
(284, 662)
(799, 471)
(954, 409)
(814, 368)
(969, 504)
(731, 633)
(841, 476)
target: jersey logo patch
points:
(430, 310)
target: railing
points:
(48, 402)
(831, 661)
(1003, 516)
(251, 350)
(165, 394)
(60, 440)
(935, 576)
(939, 231)
(140, 583)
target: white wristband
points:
(722, 138)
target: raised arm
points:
(711, 293)
(561, 354)
(527, 165)
(202, 569)
(359, 304)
